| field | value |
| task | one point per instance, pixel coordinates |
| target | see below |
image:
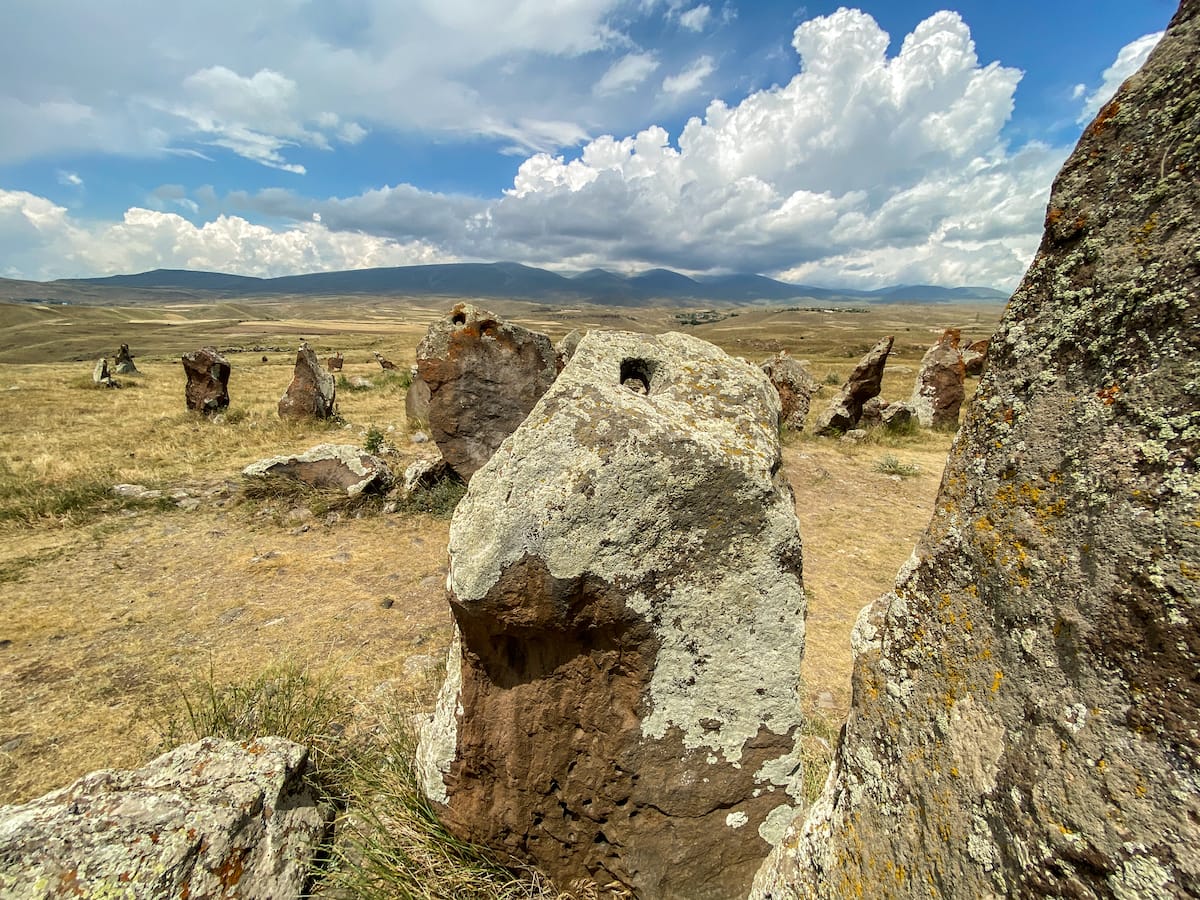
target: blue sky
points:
(893, 142)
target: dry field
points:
(109, 607)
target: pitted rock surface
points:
(341, 466)
(863, 384)
(211, 819)
(621, 703)
(484, 375)
(207, 389)
(312, 393)
(938, 394)
(1025, 703)
(795, 386)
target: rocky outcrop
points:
(795, 386)
(312, 393)
(339, 466)
(484, 375)
(1025, 702)
(207, 388)
(938, 394)
(975, 357)
(212, 819)
(124, 362)
(625, 578)
(416, 399)
(863, 384)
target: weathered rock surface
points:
(1025, 705)
(938, 394)
(312, 393)
(211, 819)
(124, 362)
(795, 386)
(565, 349)
(341, 466)
(207, 388)
(422, 474)
(101, 376)
(975, 357)
(416, 400)
(863, 384)
(484, 375)
(896, 415)
(625, 578)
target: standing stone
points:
(384, 363)
(124, 362)
(863, 384)
(100, 374)
(207, 388)
(416, 399)
(621, 703)
(938, 394)
(334, 363)
(211, 819)
(1025, 704)
(312, 393)
(484, 375)
(795, 386)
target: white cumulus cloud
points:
(1128, 61)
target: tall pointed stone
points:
(312, 393)
(939, 393)
(1025, 719)
(864, 383)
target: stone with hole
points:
(621, 701)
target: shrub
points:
(833, 378)
(439, 501)
(373, 440)
(890, 465)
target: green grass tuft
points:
(890, 465)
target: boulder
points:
(211, 819)
(938, 394)
(896, 415)
(384, 363)
(872, 413)
(1025, 701)
(423, 474)
(484, 375)
(975, 356)
(207, 388)
(312, 393)
(863, 384)
(101, 376)
(621, 700)
(124, 362)
(795, 386)
(339, 466)
(565, 349)
(334, 363)
(416, 400)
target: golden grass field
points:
(108, 608)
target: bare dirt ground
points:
(107, 611)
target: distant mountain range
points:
(512, 281)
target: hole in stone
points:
(459, 318)
(638, 374)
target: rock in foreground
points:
(625, 578)
(483, 375)
(795, 386)
(212, 819)
(339, 466)
(1025, 706)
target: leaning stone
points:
(621, 704)
(484, 375)
(312, 393)
(207, 388)
(939, 393)
(340, 466)
(796, 388)
(863, 384)
(211, 819)
(384, 363)
(1025, 701)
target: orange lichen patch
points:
(230, 871)
(996, 679)
(1107, 113)
(1109, 394)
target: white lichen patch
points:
(439, 736)
(736, 819)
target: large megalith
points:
(483, 375)
(1025, 719)
(207, 389)
(864, 383)
(621, 700)
(210, 819)
(312, 393)
(938, 393)
(795, 386)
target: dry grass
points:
(110, 607)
